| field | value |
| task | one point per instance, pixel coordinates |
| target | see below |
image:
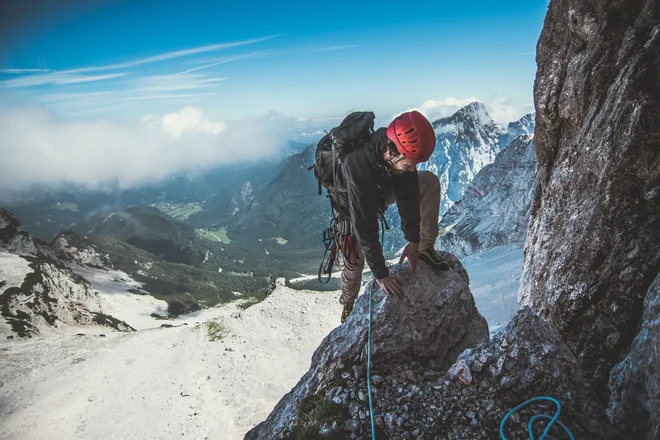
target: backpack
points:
(353, 132)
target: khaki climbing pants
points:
(429, 194)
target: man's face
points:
(404, 165)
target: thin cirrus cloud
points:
(42, 77)
(57, 78)
(21, 71)
(225, 61)
(172, 55)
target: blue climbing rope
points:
(371, 402)
(553, 420)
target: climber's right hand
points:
(391, 286)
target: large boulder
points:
(593, 248)
(435, 322)
(635, 382)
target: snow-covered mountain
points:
(37, 291)
(495, 208)
(466, 142)
(524, 125)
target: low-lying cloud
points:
(501, 110)
(36, 148)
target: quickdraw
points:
(338, 239)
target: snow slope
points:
(164, 383)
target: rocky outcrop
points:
(13, 238)
(495, 208)
(635, 382)
(37, 291)
(431, 400)
(593, 249)
(523, 126)
(435, 322)
(49, 296)
(74, 249)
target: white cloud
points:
(315, 133)
(171, 55)
(72, 76)
(501, 110)
(229, 60)
(209, 80)
(446, 128)
(57, 78)
(187, 119)
(436, 109)
(37, 148)
(167, 83)
(21, 71)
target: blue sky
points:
(303, 59)
(122, 93)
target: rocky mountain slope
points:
(594, 250)
(466, 142)
(422, 388)
(495, 207)
(37, 292)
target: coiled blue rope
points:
(371, 403)
(553, 420)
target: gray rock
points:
(635, 382)
(539, 363)
(437, 320)
(593, 247)
(52, 295)
(13, 238)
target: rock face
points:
(49, 296)
(13, 238)
(468, 400)
(76, 250)
(635, 382)
(594, 249)
(37, 291)
(495, 208)
(435, 322)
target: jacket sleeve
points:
(363, 207)
(406, 191)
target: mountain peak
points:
(474, 114)
(474, 110)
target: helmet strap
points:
(396, 159)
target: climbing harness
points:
(338, 239)
(553, 420)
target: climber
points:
(381, 173)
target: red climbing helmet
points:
(413, 136)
